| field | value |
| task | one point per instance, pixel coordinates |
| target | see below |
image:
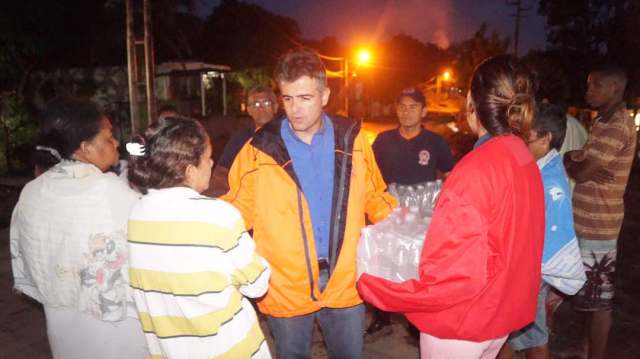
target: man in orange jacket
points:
(304, 184)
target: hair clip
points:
(135, 149)
(52, 151)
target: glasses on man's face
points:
(261, 103)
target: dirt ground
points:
(23, 332)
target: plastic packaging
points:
(391, 248)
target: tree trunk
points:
(7, 149)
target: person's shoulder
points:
(472, 161)
(344, 126)
(218, 212)
(387, 136)
(555, 172)
(269, 133)
(116, 188)
(622, 119)
(113, 182)
(619, 127)
(555, 183)
(389, 133)
(428, 133)
(496, 162)
(572, 120)
(501, 153)
(338, 120)
(434, 137)
(210, 206)
(31, 189)
(621, 113)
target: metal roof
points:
(166, 68)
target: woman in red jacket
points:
(480, 266)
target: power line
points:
(519, 14)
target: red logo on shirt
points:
(423, 157)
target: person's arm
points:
(445, 161)
(589, 164)
(582, 169)
(562, 265)
(379, 203)
(22, 281)
(252, 271)
(241, 183)
(381, 160)
(455, 265)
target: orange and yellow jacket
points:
(266, 190)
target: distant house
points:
(196, 89)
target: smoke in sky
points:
(441, 22)
(357, 21)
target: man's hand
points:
(602, 176)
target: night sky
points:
(438, 21)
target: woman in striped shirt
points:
(192, 263)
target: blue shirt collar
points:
(286, 127)
(544, 160)
(484, 138)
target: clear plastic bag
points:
(391, 248)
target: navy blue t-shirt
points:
(411, 161)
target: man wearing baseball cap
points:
(408, 155)
(411, 154)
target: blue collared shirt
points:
(314, 166)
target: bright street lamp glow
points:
(364, 56)
(446, 76)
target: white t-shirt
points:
(575, 137)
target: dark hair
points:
(267, 90)
(66, 123)
(502, 92)
(42, 158)
(550, 119)
(300, 62)
(170, 145)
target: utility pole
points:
(140, 87)
(519, 14)
(344, 73)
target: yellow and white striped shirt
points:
(191, 265)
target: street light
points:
(364, 56)
(444, 77)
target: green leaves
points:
(17, 129)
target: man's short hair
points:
(300, 62)
(612, 71)
(551, 119)
(267, 90)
